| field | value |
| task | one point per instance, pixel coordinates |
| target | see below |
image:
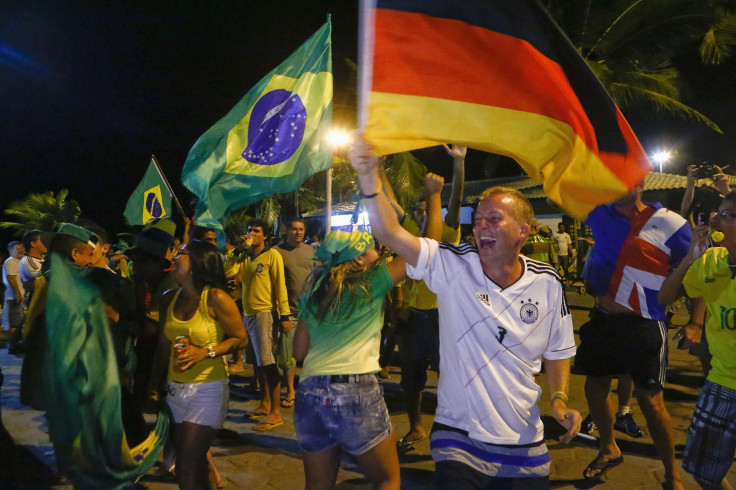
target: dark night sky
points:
(89, 90)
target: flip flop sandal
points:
(264, 426)
(404, 445)
(287, 402)
(255, 415)
(601, 466)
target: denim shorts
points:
(260, 330)
(350, 414)
(198, 403)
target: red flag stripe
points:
(440, 48)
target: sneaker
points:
(625, 423)
(588, 425)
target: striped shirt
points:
(492, 342)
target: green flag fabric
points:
(84, 414)
(150, 200)
(271, 141)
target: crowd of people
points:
(489, 316)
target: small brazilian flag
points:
(150, 200)
(271, 141)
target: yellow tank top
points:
(202, 331)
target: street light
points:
(338, 138)
(661, 157)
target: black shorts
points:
(459, 476)
(612, 344)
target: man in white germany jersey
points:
(500, 314)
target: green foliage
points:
(237, 222)
(269, 209)
(406, 174)
(41, 211)
(630, 45)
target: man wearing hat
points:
(151, 255)
(76, 245)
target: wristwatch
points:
(211, 352)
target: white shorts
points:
(198, 403)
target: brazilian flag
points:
(150, 200)
(271, 141)
(84, 413)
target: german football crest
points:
(528, 312)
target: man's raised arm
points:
(384, 224)
(458, 184)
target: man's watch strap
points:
(211, 352)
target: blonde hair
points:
(522, 208)
(350, 276)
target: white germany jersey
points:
(492, 341)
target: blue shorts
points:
(711, 438)
(347, 412)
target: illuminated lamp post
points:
(338, 139)
(661, 157)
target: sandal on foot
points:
(287, 402)
(404, 445)
(254, 415)
(264, 426)
(602, 466)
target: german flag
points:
(500, 77)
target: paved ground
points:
(271, 460)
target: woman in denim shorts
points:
(339, 403)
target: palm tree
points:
(41, 211)
(630, 45)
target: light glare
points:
(338, 138)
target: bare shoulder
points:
(217, 296)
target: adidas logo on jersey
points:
(484, 298)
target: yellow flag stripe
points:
(418, 122)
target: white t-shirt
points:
(563, 241)
(29, 269)
(11, 268)
(492, 341)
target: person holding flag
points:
(500, 316)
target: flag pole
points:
(329, 201)
(365, 58)
(168, 186)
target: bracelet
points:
(371, 196)
(558, 395)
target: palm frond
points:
(237, 222)
(625, 93)
(269, 209)
(406, 175)
(42, 211)
(719, 41)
